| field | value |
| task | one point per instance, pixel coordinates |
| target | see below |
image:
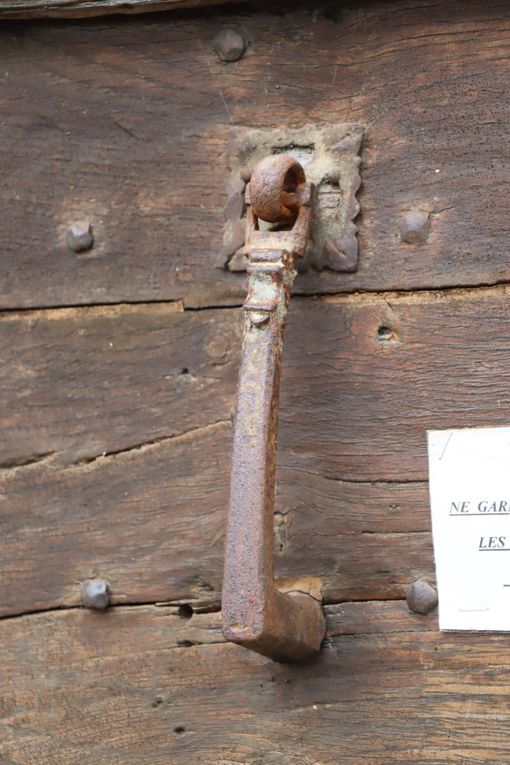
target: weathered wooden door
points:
(119, 367)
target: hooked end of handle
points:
(291, 629)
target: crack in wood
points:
(212, 608)
(421, 294)
(52, 458)
(34, 459)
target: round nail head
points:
(229, 45)
(80, 236)
(415, 227)
(421, 597)
(95, 593)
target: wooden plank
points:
(83, 382)
(123, 688)
(72, 9)
(152, 522)
(149, 515)
(125, 123)
(363, 379)
(375, 617)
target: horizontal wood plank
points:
(73, 9)
(363, 379)
(86, 382)
(135, 487)
(154, 687)
(152, 522)
(125, 123)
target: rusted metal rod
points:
(284, 626)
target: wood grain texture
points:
(135, 486)
(78, 9)
(84, 382)
(152, 522)
(116, 419)
(364, 377)
(125, 124)
(140, 685)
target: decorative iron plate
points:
(330, 155)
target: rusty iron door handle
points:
(284, 626)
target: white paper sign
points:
(470, 501)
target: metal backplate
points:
(330, 157)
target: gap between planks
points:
(380, 616)
(421, 295)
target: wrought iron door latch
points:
(284, 626)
